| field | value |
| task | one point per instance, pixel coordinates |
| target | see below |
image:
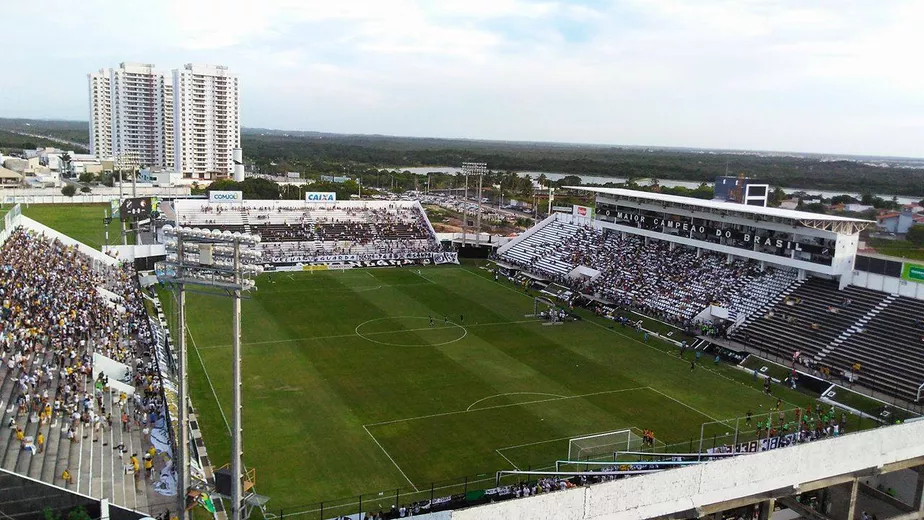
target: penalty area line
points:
(377, 443)
(508, 405)
(681, 403)
(508, 460)
(505, 448)
(420, 274)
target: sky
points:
(838, 76)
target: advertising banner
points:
(226, 196)
(583, 211)
(913, 272)
(700, 229)
(762, 445)
(320, 196)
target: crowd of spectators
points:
(294, 232)
(58, 309)
(391, 229)
(671, 282)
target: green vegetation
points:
(346, 380)
(868, 405)
(915, 234)
(311, 152)
(76, 132)
(899, 248)
(774, 370)
(83, 222)
(12, 143)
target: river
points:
(594, 179)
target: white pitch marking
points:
(512, 393)
(505, 448)
(508, 405)
(592, 322)
(367, 334)
(684, 404)
(389, 458)
(209, 379)
(508, 460)
(350, 289)
(420, 274)
(454, 325)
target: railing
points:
(485, 487)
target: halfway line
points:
(269, 342)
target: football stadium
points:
(647, 356)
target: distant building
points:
(789, 204)
(899, 222)
(188, 119)
(741, 190)
(857, 208)
(161, 177)
(207, 120)
(101, 113)
(131, 115)
(9, 177)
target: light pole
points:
(479, 170)
(218, 263)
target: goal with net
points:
(546, 310)
(601, 446)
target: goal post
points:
(602, 445)
(546, 310)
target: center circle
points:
(368, 330)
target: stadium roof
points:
(814, 220)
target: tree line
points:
(337, 154)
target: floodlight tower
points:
(224, 264)
(479, 170)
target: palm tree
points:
(65, 161)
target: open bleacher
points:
(674, 282)
(890, 348)
(306, 232)
(837, 329)
(60, 310)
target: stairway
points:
(856, 327)
(245, 219)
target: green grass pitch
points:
(348, 389)
(83, 222)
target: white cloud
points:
(784, 74)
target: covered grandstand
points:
(774, 281)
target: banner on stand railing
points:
(445, 258)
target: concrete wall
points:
(98, 195)
(888, 284)
(686, 488)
